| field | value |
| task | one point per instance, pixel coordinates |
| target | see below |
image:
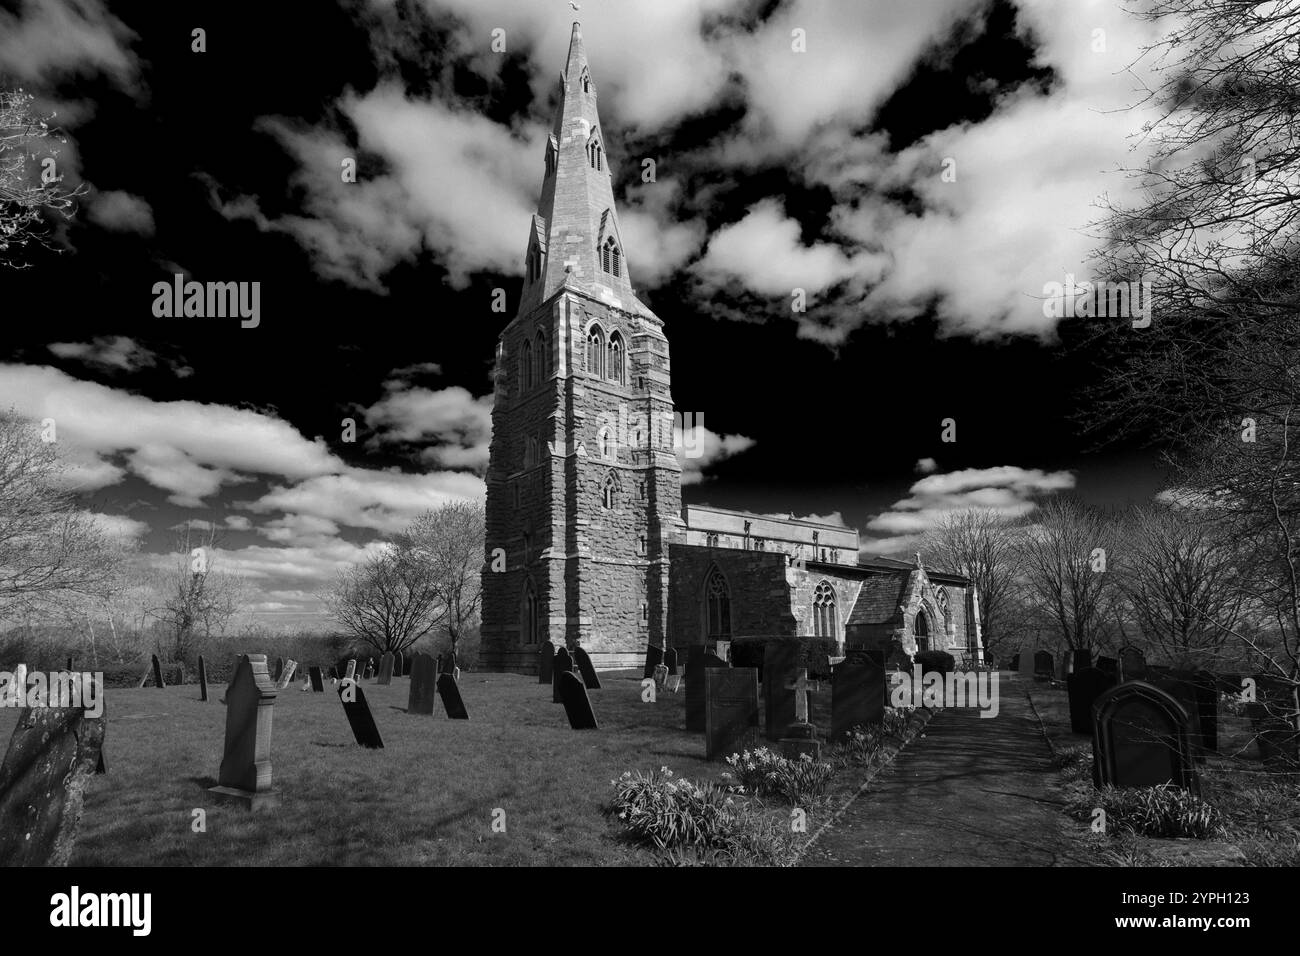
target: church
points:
(593, 543)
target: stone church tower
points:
(583, 485)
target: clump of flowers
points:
(763, 772)
(670, 812)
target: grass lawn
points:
(427, 798)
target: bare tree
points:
(449, 540)
(1068, 556)
(195, 597)
(387, 600)
(982, 545)
(30, 186)
(51, 551)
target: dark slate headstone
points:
(545, 662)
(279, 670)
(588, 672)
(698, 658)
(654, 656)
(859, 693)
(250, 708)
(203, 678)
(1026, 666)
(1132, 664)
(449, 691)
(1082, 660)
(399, 664)
(1109, 665)
(577, 706)
(385, 668)
(1179, 686)
(1084, 687)
(730, 711)
(670, 661)
(424, 684)
(157, 673)
(563, 664)
(351, 671)
(1043, 664)
(317, 684)
(51, 757)
(780, 662)
(1142, 738)
(359, 716)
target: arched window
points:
(717, 598)
(526, 364)
(760, 544)
(596, 351)
(594, 155)
(609, 492)
(532, 451)
(921, 631)
(615, 367)
(530, 629)
(610, 258)
(542, 356)
(586, 82)
(605, 443)
(824, 620)
(710, 540)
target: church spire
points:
(575, 236)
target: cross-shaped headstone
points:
(802, 687)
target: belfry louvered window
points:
(609, 257)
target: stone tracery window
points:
(596, 351)
(609, 492)
(825, 623)
(615, 364)
(610, 257)
(717, 598)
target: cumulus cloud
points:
(926, 466)
(121, 527)
(49, 38)
(459, 423)
(119, 211)
(700, 449)
(116, 352)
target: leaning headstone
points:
(52, 755)
(424, 684)
(1142, 738)
(370, 669)
(360, 719)
(780, 661)
(730, 710)
(1084, 687)
(449, 691)
(385, 668)
(290, 669)
(1043, 664)
(545, 662)
(157, 672)
(670, 661)
(203, 678)
(279, 670)
(654, 656)
(563, 664)
(399, 664)
(859, 693)
(588, 672)
(317, 682)
(245, 774)
(1132, 664)
(1026, 667)
(351, 672)
(698, 659)
(577, 705)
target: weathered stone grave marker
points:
(698, 660)
(157, 672)
(730, 710)
(1084, 686)
(1043, 665)
(360, 719)
(1141, 738)
(449, 691)
(585, 668)
(654, 656)
(577, 705)
(563, 664)
(317, 682)
(859, 693)
(203, 679)
(290, 668)
(545, 662)
(1132, 663)
(801, 736)
(279, 670)
(780, 659)
(385, 669)
(424, 683)
(245, 774)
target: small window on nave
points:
(717, 597)
(608, 493)
(604, 443)
(710, 540)
(825, 623)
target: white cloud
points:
(50, 38)
(927, 466)
(120, 526)
(701, 449)
(460, 423)
(119, 211)
(112, 352)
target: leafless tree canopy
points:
(984, 546)
(26, 198)
(449, 540)
(195, 598)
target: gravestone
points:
(1205, 687)
(1082, 659)
(385, 669)
(545, 662)
(1026, 666)
(1179, 686)
(801, 736)
(1109, 665)
(289, 670)
(1142, 738)
(370, 669)
(279, 670)
(577, 705)
(730, 711)
(317, 684)
(699, 658)
(859, 693)
(203, 679)
(670, 661)
(157, 672)
(351, 672)
(245, 774)
(1132, 664)
(424, 684)
(360, 719)
(654, 656)
(1084, 687)
(780, 659)
(399, 664)
(447, 664)
(563, 664)
(52, 755)
(585, 668)
(1275, 717)
(449, 691)
(1043, 664)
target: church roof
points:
(581, 242)
(878, 600)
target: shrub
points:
(935, 661)
(763, 772)
(674, 813)
(1163, 811)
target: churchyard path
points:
(973, 792)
